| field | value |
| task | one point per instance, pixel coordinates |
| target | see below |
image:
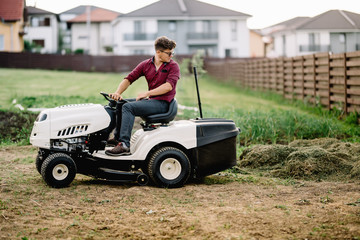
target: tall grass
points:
(262, 117)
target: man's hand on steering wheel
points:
(115, 96)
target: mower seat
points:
(161, 118)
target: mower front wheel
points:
(58, 170)
(39, 161)
(169, 167)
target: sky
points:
(264, 12)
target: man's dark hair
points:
(162, 43)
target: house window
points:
(2, 47)
(342, 38)
(67, 39)
(227, 52)
(139, 31)
(357, 47)
(139, 27)
(314, 42)
(139, 52)
(206, 26)
(203, 26)
(40, 21)
(233, 30)
(230, 53)
(34, 22)
(39, 42)
(172, 26)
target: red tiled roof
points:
(97, 15)
(11, 10)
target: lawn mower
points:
(73, 138)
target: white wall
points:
(290, 46)
(49, 34)
(100, 36)
(294, 39)
(240, 47)
(126, 26)
(303, 39)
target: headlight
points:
(41, 117)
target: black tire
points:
(58, 170)
(169, 167)
(38, 162)
(142, 179)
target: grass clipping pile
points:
(318, 159)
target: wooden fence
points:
(82, 63)
(332, 80)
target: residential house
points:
(334, 31)
(65, 31)
(11, 25)
(92, 31)
(257, 44)
(42, 30)
(195, 25)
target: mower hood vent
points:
(73, 130)
(75, 105)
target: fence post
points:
(302, 78)
(329, 85)
(292, 78)
(283, 75)
(314, 77)
(345, 85)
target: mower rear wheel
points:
(58, 170)
(169, 167)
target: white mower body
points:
(68, 121)
(73, 139)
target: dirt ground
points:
(235, 204)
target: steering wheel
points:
(112, 102)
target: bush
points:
(79, 51)
(16, 126)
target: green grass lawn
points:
(262, 117)
(20, 83)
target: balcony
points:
(204, 38)
(140, 36)
(314, 48)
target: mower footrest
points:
(133, 176)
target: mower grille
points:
(73, 130)
(75, 105)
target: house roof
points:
(37, 11)
(79, 10)
(290, 24)
(11, 10)
(96, 15)
(333, 19)
(183, 8)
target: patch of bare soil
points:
(229, 205)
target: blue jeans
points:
(126, 113)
